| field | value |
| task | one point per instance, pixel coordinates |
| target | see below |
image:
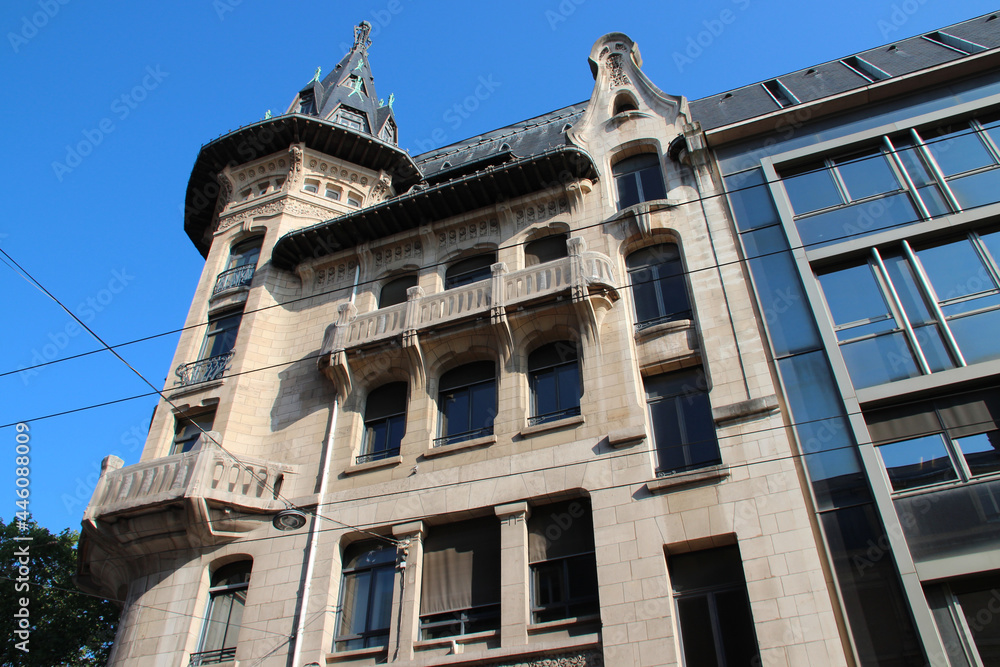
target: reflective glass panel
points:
(859, 220)
(957, 152)
(977, 189)
(812, 190)
(981, 452)
(917, 462)
(867, 175)
(751, 200)
(875, 361)
(955, 270)
(977, 336)
(853, 295)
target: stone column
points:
(515, 613)
(406, 605)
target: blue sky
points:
(106, 107)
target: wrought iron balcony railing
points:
(213, 657)
(204, 370)
(376, 456)
(565, 413)
(234, 278)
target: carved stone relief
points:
(282, 205)
(583, 659)
(617, 71)
(529, 215)
(327, 276)
(386, 256)
(468, 233)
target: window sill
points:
(227, 298)
(540, 628)
(529, 431)
(388, 462)
(680, 480)
(196, 387)
(444, 450)
(470, 638)
(357, 654)
(662, 328)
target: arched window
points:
(545, 249)
(637, 179)
(681, 416)
(659, 289)
(366, 596)
(385, 422)
(467, 399)
(394, 291)
(562, 561)
(624, 102)
(554, 376)
(227, 598)
(240, 268)
(469, 270)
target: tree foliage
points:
(67, 627)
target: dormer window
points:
(388, 133)
(351, 118)
(307, 104)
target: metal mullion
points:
(838, 180)
(925, 285)
(985, 137)
(935, 169)
(964, 632)
(900, 168)
(898, 306)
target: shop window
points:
(227, 599)
(467, 399)
(713, 610)
(546, 249)
(638, 179)
(562, 561)
(366, 596)
(681, 416)
(394, 291)
(554, 378)
(659, 287)
(469, 270)
(460, 594)
(385, 422)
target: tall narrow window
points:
(394, 291)
(467, 399)
(366, 596)
(470, 270)
(554, 376)
(637, 179)
(227, 598)
(713, 610)
(220, 338)
(545, 249)
(189, 428)
(385, 422)
(561, 557)
(241, 266)
(659, 289)
(460, 594)
(681, 415)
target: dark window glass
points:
(554, 377)
(866, 174)
(467, 402)
(545, 250)
(751, 200)
(385, 422)
(713, 609)
(470, 270)
(394, 291)
(227, 599)
(366, 596)
(917, 462)
(245, 253)
(187, 430)
(220, 338)
(977, 599)
(460, 592)
(681, 415)
(638, 179)
(351, 118)
(561, 557)
(307, 104)
(659, 287)
(812, 188)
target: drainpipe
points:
(314, 528)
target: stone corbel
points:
(333, 357)
(366, 259)
(580, 293)
(227, 185)
(498, 314)
(296, 156)
(575, 192)
(411, 341)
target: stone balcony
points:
(204, 496)
(585, 279)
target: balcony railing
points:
(565, 413)
(213, 657)
(376, 456)
(234, 278)
(204, 370)
(518, 287)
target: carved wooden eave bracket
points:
(332, 360)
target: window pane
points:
(984, 623)
(546, 400)
(878, 360)
(992, 242)
(867, 175)
(469, 271)
(812, 190)
(853, 295)
(381, 599)
(697, 637)
(981, 452)
(357, 592)
(955, 270)
(859, 220)
(545, 250)
(751, 200)
(455, 413)
(652, 184)
(932, 344)
(483, 406)
(394, 291)
(934, 200)
(628, 190)
(977, 190)
(903, 280)
(736, 625)
(957, 152)
(918, 462)
(912, 161)
(568, 379)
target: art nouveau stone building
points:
(522, 389)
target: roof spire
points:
(362, 40)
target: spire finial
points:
(361, 36)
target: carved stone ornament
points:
(295, 167)
(541, 212)
(470, 232)
(582, 659)
(283, 205)
(617, 71)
